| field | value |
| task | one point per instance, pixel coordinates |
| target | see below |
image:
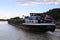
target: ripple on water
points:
(9, 32)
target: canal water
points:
(9, 32)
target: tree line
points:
(55, 13)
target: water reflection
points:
(9, 32)
(36, 36)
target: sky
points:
(14, 8)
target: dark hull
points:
(40, 27)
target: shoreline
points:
(57, 26)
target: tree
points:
(55, 13)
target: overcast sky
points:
(12, 8)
